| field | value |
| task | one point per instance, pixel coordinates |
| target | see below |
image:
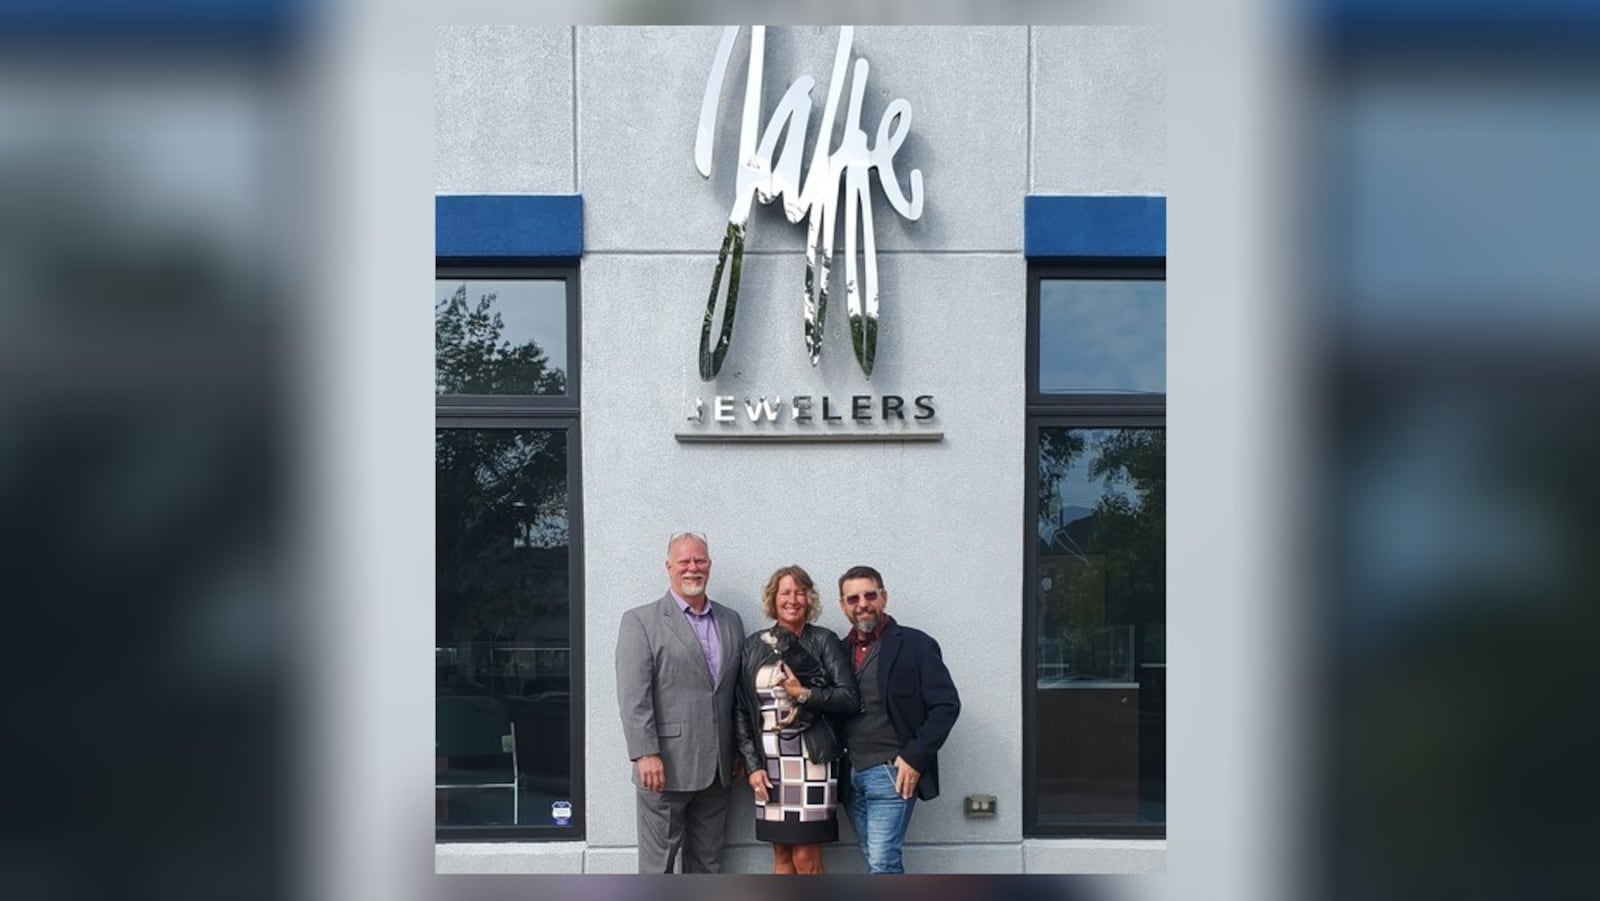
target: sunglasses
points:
(870, 597)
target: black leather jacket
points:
(839, 699)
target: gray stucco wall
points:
(942, 521)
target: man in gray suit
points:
(677, 673)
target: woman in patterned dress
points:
(793, 761)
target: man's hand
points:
(905, 778)
(760, 784)
(652, 775)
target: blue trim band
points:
(91, 23)
(1549, 15)
(1132, 227)
(501, 226)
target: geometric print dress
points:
(804, 795)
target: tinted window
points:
(1102, 335)
(1100, 628)
(500, 336)
(502, 654)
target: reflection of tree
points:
(501, 493)
(501, 508)
(1058, 448)
(472, 358)
(1133, 529)
(1108, 567)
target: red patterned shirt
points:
(861, 645)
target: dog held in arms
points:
(799, 660)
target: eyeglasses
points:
(676, 537)
(870, 597)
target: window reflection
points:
(1102, 335)
(1100, 662)
(502, 657)
(502, 336)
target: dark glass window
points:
(1095, 606)
(500, 336)
(502, 656)
(508, 700)
(1100, 627)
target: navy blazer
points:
(921, 699)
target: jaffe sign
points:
(769, 170)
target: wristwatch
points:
(805, 696)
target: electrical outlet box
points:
(508, 743)
(978, 806)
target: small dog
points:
(799, 660)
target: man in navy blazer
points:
(908, 706)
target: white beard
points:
(866, 624)
(693, 590)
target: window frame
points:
(1083, 410)
(536, 412)
(519, 404)
(1111, 403)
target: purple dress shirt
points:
(705, 629)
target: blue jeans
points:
(880, 817)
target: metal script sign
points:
(769, 169)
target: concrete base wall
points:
(1030, 856)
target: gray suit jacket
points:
(668, 704)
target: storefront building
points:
(978, 410)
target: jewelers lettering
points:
(807, 408)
